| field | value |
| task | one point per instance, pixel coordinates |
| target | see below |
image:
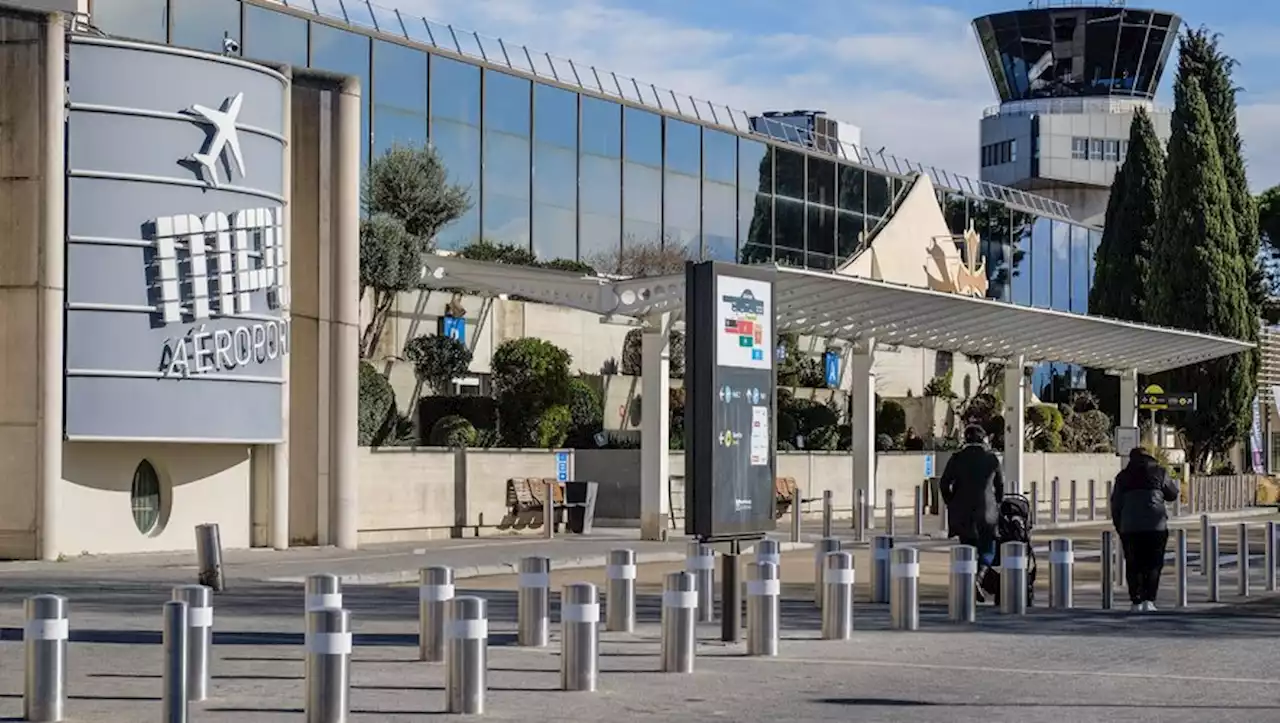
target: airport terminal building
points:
(182, 246)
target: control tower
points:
(1070, 76)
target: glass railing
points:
(364, 14)
(1068, 106)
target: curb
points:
(400, 577)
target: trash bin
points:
(580, 504)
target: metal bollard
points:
(328, 677)
(1177, 506)
(1180, 552)
(837, 606)
(679, 622)
(890, 526)
(1013, 578)
(466, 656)
(1269, 556)
(44, 643)
(700, 560)
(1061, 574)
(620, 613)
(209, 557)
(323, 591)
(549, 509)
(795, 516)
(1210, 559)
(1074, 513)
(579, 637)
(199, 600)
(435, 590)
(769, 551)
(1242, 559)
(918, 510)
(1054, 501)
(174, 699)
(962, 605)
(820, 551)
(859, 513)
(763, 591)
(1122, 577)
(1093, 500)
(1108, 577)
(828, 511)
(1035, 503)
(1204, 544)
(867, 517)
(533, 602)
(904, 589)
(880, 547)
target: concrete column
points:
(278, 502)
(655, 427)
(52, 293)
(862, 422)
(1015, 423)
(1128, 398)
(346, 321)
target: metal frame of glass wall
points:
(573, 175)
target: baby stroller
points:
(1014, 525)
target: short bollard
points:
(549, 509)
(199, 600)
(828, 511)
(1035, 503)
(435, 590)
(328, 665)
(1055, 501)
(769, 551)
(1074, 500)
(1204, 544)
(1061, 574)
(323, 591)
(890, 514)
(825, 545)
(44, 643)
(859, 516)
(579, 637)
(795, 517)
(620, 595)
(466, 656)
(880, 547)
(866, 515)
(209, 557)
(1093, 500)
(174, 701)
(1242, 559)
(1107, 556)
(700, 559)
(1122, 577)
(837, 607)
(962, 604)
(1180, 557)
(679, 622)
(918, 511)
(533, 603)
(1210, 560)
(763, 590)
(1013, 578)
(1269, 556)
(904, 589)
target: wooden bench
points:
(784, 489)
(526, 497)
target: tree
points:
(407, 200)
(530, 376)
(376, 405)
(638, 258)
(1269, 226)
(633, 353)
(1204, 276)
(438, 360)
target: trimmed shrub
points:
(529, 377)
(823, 439)
(482, 412)
(453, 431)
(376, 404)
(552, 428)
(891, 419)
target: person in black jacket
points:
(972, 486)
(1138, 512)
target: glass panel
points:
(455, 91)
(755, 232)
(1021, 257)
(788, 175)
(642, 137)
(822, 182)
(392, 126)
(555, 188)
(755, 170)
(1041, 262)
(682, 212)
(641, 202)
(601, 127)
(601, 206)
(822, 237)
(506, 103)
(342, 52)
(273, 36)
(853, 188)
(879, 194)
(399, 92)
(555, 116)
(1079, 269)
(719, 220)
(506, 189)
(956, 211)
(458, 145)
(849, 230)
(719, 156)
(993, 223)
(202, 24)
(138, 19)
(684, 148)
(1061, 266)
(556, 176)
(788, 229)
(555, 232)
(1095, 239)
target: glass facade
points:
(573, 176)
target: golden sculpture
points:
(956, 274)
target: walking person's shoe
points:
(1137, 608)
(1148, 607)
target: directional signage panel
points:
(1155, 398)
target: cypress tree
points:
(1198, 277)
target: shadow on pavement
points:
(892, 702)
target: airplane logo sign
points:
(225, 138)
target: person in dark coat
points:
(972, 486)
(1138, 512)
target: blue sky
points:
(908, 72)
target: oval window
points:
(145, 497)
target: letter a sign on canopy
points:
(730, 403)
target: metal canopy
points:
(851, 308)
